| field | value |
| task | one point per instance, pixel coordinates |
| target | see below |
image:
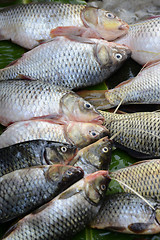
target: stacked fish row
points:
(48, 113)
(45, 111)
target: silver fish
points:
(143, 39)
(30, 24)
(23, 190)
(25, 99)
(127, 213)
(78, 133)
(66, 214)
(138, 132)
(77, 63)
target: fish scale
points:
(77, 63)
(138, 131)
(148, 181)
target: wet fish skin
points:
(80, 134)
(36, 20)
(34, 153)
(79, 204)
(143, 177)
(127, 213)
(142, 89)
(143, 39)
(139, 132)
(26, 189)
(94, 157)
(26, 99)
(77, 62)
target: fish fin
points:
(152, 17)
(23, 77)
(12, 63)
(69, 193)
(54, 118)
(137, 163)
(138, 227)
(124, 82)
(67, 31)
(117, 229)
(151, 64)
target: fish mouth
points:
(124, 27)
(99, 120)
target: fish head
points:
(82, 134)
(96, 185)
(107, 25)
(77, 109)
(97, 154)
(63, 153)
(64, 175)
(111, 55)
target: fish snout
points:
(98, 120)
(124, 26)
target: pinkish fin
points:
(150, 64)
(12, 63)
(67, 31)
(137, 163)
(23, 77)
(124, 82)
(152, 17)
(53, 118)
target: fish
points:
(25, 99)
(66, 214)
(30, 24)
(94, 157)
(142, 89)
(35, 153)
(138, 134)
(24, 190)
(143, 39)
(143, 177)
(127, 213)
(79, 134)
(78, 62)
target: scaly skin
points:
(30, 24)
(65, 215)
(78, 62)
(25, 99)
(127, 213)
(26, 189)
(34, 153)
(78, 133)
(143, 39)
(138, 132)
(143, 177)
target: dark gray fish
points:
(127, 213)
(26, 189)
(94, 157)
(66, 214)
(33, 153)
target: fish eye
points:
(118, 56)
(105, 149)
(93, 133)
(69, 173)
(110, 15)
(87, 105)
(103, 187)
(63, 149)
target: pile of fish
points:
(55, 151)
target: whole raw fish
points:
(138, 132)
(127, 213)
(24, 99)
(143, 177)
(66, 214)
(30, 24)
(142, 89)
(94, 157)
(143, 39)
(69, 63)
(26, 189)
(34, 153)
(77, 133)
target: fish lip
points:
(124, 27)
(98, 120)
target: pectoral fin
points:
(138, 228)
(67, 31)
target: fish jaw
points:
(77, 109)
(82, 134)
(105, 24)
